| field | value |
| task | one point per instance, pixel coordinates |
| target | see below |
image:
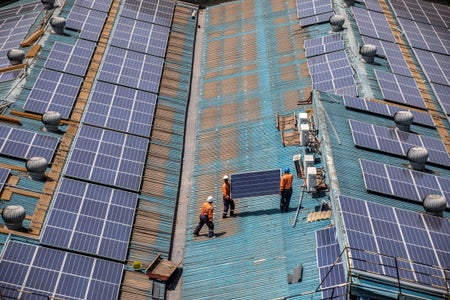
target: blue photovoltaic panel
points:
(327, 253)
(378, 234)
(24, 144)
(10, 75)
(332, 72)
(132, 69)
(322, 45)
(403, 183)
(392, 140)
(254, 184)
(140, 36)
(436, 66)
(108, 157)
(373, 5)
(120, 108)
(156, 11)
(29, 271)
(53, 91)
(101, 5)
(311, 8)
(13, 29)
(442, 92)
(396, 60)
(4, 173)
(72, 59)
(317, 19)
(90, 218)
(373, 24)
(400, 89)
(88, 22)
(426, 37)
(384, 109)
(422, 11)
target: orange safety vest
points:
(286, 182)
(208, 210)
(226, 189)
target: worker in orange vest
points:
(206, 217)
(286, 190)
(228, 203)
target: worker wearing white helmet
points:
(228, 203)
(206, 217)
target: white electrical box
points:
(311, 176)
(304, 134)
(302, 118)
(308, 161)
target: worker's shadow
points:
(260, 212)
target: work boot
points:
(224, 216)
(231, 213)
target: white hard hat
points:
(225, 177)
(210, 199)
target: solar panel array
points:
(14, 26)
(322, 45)
(317, 19)
(373, 24)
(25, 144)
(72, 59)
(4, 173)
(423, 12)
(443, 94)
(53, 91)
(120, 108)
(157, 11)
(50, 273)
(331, 269)
(396, 60)
(101, 5)
(89, 22)
(436, 66)
(254, 184)
(397, 243)
(140, 36)
(426, 37)
(90, 218)
(399, 89)
(331, 72)
(108, 157)
(373, 5)
(306, 9)
(403, 183)
(392, 140)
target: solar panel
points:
(317, 19)
(399, 89)
(331, 269)
(254, 184)
(108, 157)
(90, 218)
(101, 5)
(124, 67)
(140, 36)
(426, 37)
(436, 66)
(423, 12)
(393, 242)
(120, 108)
(396, 60)
(442, 92)
(307, 9)
(373, 24)
(384, 109)
(25, 144)
(392, 140)
(373, 5)
(157, 11)
(72, 59)
(33, 272)
(9, 75)
(403, 183)
(331, 72)
(53, 91)
(322, 45)
(4, 173)
(88, 22)
(381, 52)
(13, 29)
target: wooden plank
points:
(33, 51)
